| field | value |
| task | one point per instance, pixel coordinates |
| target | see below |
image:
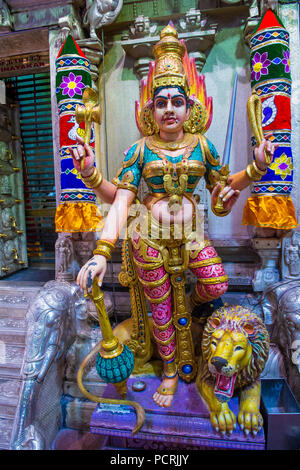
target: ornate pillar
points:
(278, 256)
(68, 256)
(289, 12)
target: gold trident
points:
(254, 111)
(89, 112)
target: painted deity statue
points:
(164, 238)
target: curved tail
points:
(140, 412)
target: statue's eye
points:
(238, 348)
(160, 104)
(214, 343)
(178, 102)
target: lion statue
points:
(235, 347)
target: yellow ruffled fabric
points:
(78, 217)
(270, 211)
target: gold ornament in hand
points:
(254, 111)
(222, 179)
(89, 112)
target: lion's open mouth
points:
(224, 387)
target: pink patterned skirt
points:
(203, 261)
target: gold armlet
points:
(94, 180)
(220, 213)
(104, 248)
(254, 173)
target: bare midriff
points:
(161, 211)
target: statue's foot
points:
(165, 392)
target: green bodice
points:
(144, 159)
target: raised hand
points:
(259, 152)
(228, 195)
(83, 157)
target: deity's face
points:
(170, 110)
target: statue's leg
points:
(212, 281)
(157, 289)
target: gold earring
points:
(195, 124)
(148, 125)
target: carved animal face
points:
(235, 348)
(230, 352)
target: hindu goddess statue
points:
(165, 240)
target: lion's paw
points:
(223, 420)
(250, 421)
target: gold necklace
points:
(157, 142)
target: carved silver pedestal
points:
(61, 329)
(268, 250)
(290, 257)
(281, 307)
(72, 251)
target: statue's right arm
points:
(106, 191)
(113, 225)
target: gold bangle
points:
(104, 248)
(91, 176)
(103, 251)
(213, 280)
(260, 172)
(254, 173)
(94, 180)
(101, 243)
(95, 184)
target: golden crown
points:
(169, 53)
(173, 67)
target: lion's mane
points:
(235, 318)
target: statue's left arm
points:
(242, 179)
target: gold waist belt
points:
(172, 234)
(168, 232)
